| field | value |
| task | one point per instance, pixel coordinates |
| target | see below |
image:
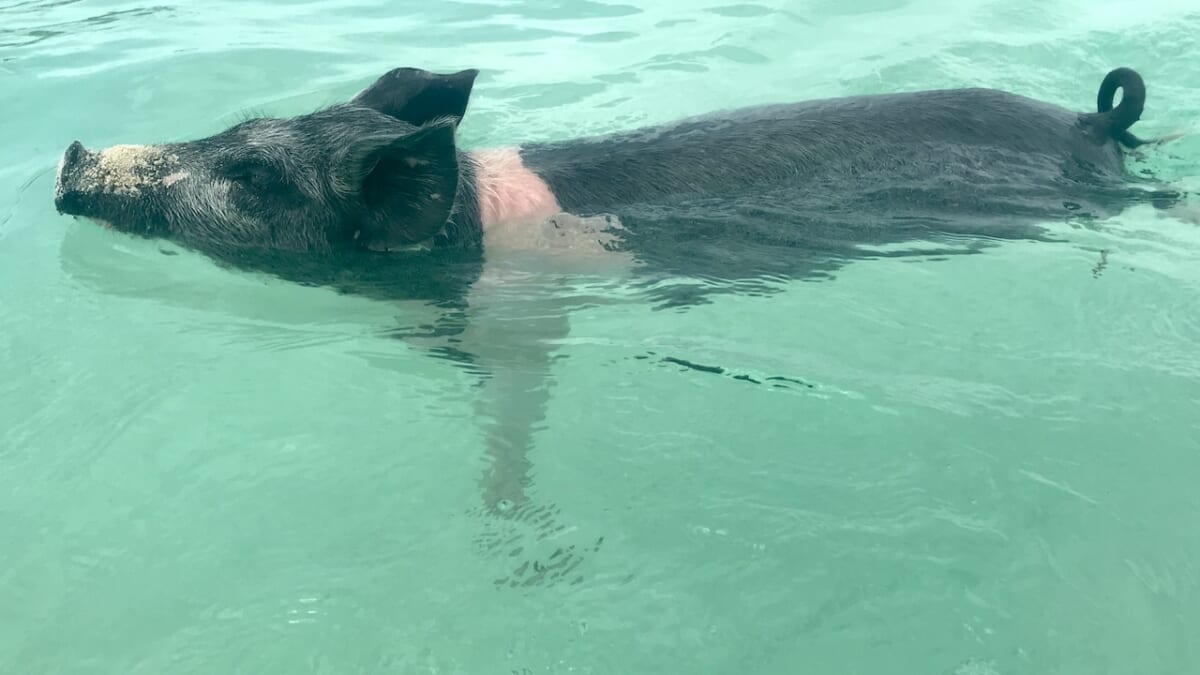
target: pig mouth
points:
(112, 212)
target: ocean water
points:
(984, 465)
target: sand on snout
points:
(126, 169)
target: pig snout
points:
(122, 186)
(75, 152)
(68, 198)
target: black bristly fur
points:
(785, 190)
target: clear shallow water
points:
(975, 466)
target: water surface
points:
(974, 466)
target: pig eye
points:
(254, 175)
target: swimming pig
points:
(351, 191)
(375, 196)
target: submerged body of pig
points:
(375, 190)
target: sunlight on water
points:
(982, 465)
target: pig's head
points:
(378, 172)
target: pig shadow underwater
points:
(374, 197)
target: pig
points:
(366, 193)
(374, 196)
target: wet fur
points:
(794, 190)
(351, 195)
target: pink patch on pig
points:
(508, 191)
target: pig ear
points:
(407, 186)
(418, 96)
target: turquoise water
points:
(979, 466)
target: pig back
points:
(969, 138)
